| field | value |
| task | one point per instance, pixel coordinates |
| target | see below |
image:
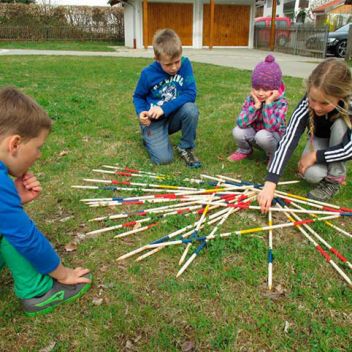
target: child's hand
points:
(307, 160)
(144, 118)
(68, 276)
(266, 196)
(155, 112)
(257, 103)
(274, 95)
(28, 187)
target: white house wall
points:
(133, 16)
(267, 11)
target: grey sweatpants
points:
(336, 171)
(248, 137)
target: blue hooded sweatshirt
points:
(19, 229)
(157, 88)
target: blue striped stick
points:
(196, 230)
(248, 231)
(202, 245)
(159, 242)
(164, 240)
(270, 252)
(217, 216)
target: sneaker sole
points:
(197, 166)
(51, 308)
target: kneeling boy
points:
(164, 100)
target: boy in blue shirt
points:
(164, 100)
(41, 281)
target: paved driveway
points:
(291, 65)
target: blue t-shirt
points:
(157, 88)
(17, 227)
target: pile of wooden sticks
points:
(214, 200)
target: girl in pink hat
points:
(261, 121)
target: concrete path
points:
(291, 65)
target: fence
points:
(42, 32)
(298, 40)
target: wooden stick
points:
(270, 252)
(317, 246)
(342, 231)
(156, 210)
(206, 209)
(202, 245)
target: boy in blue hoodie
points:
(164, 100)
(41, 281)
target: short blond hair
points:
(20, 114)
(166, 42)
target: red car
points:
(282, 29)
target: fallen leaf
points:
(136, 339)
(71, 246)
(276, 293)
(129, 345)
(287, 326)
(280, 289)
(63, 153)
(97, 301)
(48, 348)
(188, 346)
(81, 236)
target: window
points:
(281, 24)
(260, 24)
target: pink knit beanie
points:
(267, 74)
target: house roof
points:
(329, 6)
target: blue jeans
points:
(156, 135)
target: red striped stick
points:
(316, 245)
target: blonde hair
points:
(166, 42)
(333, 78)
(20, 114)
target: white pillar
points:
(197, 24)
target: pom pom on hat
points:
(267, 74)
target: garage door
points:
(179, 17)
(231, 25)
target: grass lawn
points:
(220, 303)
(61, 45)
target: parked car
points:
(282, 26)
(336, 42)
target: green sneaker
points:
(324, 190)
(58, 294)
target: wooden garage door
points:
(179, 17)
(231, 25)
